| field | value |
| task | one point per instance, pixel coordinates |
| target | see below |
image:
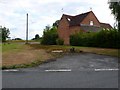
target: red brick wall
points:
(74, 29)
(63, 30)
(91, 17)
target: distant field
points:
(34, 54)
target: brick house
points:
(85, 22)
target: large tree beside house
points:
(85, 22)
(115, 8)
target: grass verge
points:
(23, 56)
(32, 64)
(103, 51)
(31, 55)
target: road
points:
(83, 70)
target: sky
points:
(45, 12)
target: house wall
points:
(74, 29)
(63, 30)
(91, 17)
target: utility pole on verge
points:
(27, 30)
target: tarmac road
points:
(83, 70)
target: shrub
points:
(104, 38)
(60, 41)
(49, 36)
(76, 39)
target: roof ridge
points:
(103, 23)
(68, 15)
(83, 13)
(78, 14)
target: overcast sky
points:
(46, 12)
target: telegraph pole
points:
(27, 30)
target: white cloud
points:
(44, 12)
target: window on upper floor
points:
(91, 22)
(69, 19)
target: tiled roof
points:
(90, 28)
(76, 20)
(105, 25)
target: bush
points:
(60, 41)
(76, 39)
(104, 38)
(49, 36)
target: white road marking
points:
(59, 70)
(11, 70)
(107, 69)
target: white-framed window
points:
(68, 19)
(91, 22)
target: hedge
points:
(104, 38)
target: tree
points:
(17, 39)
(55, 24)
(115, 8)
(37, 37)
(4, 33)
(49, 36)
